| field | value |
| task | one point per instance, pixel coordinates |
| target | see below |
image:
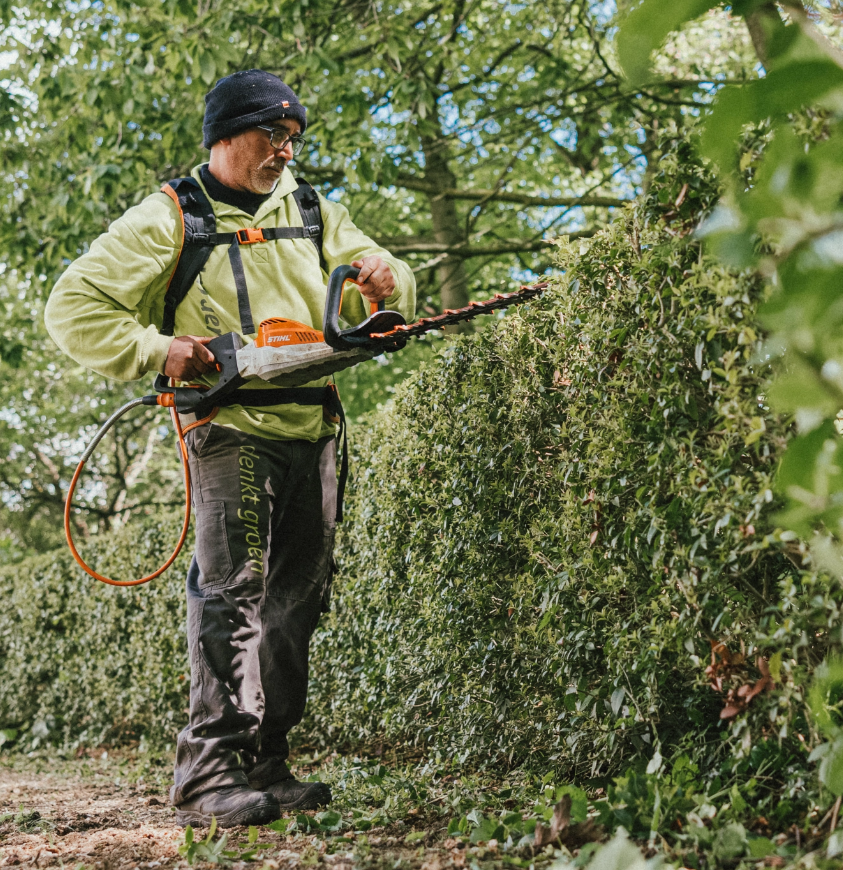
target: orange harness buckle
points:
(250, 235)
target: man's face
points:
(252, 161)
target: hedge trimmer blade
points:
(457, 315)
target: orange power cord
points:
(166, 400)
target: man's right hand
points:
(188, 358)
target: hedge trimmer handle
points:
(385, 330)
(380, 320)
(333, 301)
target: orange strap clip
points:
(250, 235)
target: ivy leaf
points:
(279, 825)
(330, 820)
(730, 842)
(647, 27)
(617, 699)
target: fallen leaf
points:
(560, 820)
(576, 836)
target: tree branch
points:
(322, 174)
(761, 23)
(467, 251)
(410, 182)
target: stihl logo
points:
(277, 339)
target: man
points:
(264, 478)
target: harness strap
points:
(334, 407)
(251, 235)
(244, 308)
(198, 221)
(311, 216)
(278, 396)
(200, 238)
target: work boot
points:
(294, 795)
(273, 777)
(232, 805)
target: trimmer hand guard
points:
(358, 336)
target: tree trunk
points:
(762, 23)
(447, 230)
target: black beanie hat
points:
(246, 99)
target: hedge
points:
(85, 663)
(547, 530)
(554, 522)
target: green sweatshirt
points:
(106, 310)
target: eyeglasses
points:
(278, 139)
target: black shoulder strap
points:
(200, 237)
(200, 228)
(311, 215)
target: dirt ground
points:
(87, 813)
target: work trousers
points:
(260, 576)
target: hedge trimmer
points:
(287, 353)
(284, 355)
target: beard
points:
(265, 176)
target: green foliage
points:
(473, 129)
(27, 821)
(783, 91)
(515, 829)
(646, 27)
(826, 698)
(547, 529)
(617, 854)
(81, 662)
(551, 522)
(784, 219)
(367, 388)
(328, 821)
(211, 851)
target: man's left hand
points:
(375, 280)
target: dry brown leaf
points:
(560, 820)
(576, 836)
